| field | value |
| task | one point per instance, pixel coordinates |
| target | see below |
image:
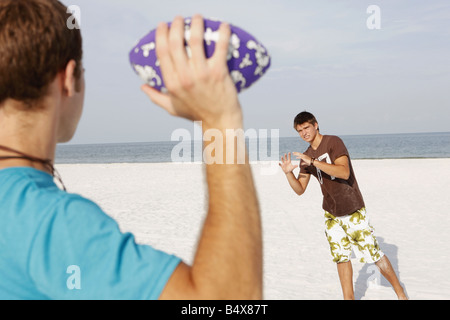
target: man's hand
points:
(306, 159)
(199, 89)
(299, 184)
(286, 164)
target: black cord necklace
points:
(45, 162)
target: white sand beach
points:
(407, 200)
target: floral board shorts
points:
(352, 232)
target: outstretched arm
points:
(299, 184)
(340, 169)
(228, 260)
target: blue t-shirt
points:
(55, 245)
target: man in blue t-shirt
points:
(56, 245)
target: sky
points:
(327, 58)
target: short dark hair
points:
(304, 117)
(35, 45)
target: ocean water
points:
(387, 146)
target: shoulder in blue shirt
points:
(55, 245)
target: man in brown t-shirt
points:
(341, 196)
(346, 221)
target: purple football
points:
(248, 59)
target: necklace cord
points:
(46, 162)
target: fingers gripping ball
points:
(248, 59)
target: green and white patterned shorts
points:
(352, 232)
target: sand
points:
(408, 203)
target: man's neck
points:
(30, 134)
(316, 142)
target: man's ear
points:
(69, 79)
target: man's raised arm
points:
(228, 260)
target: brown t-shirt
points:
(340, 197)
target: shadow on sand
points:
(370, 274)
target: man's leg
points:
(385, 267)
(341, 251)
(345, 271)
